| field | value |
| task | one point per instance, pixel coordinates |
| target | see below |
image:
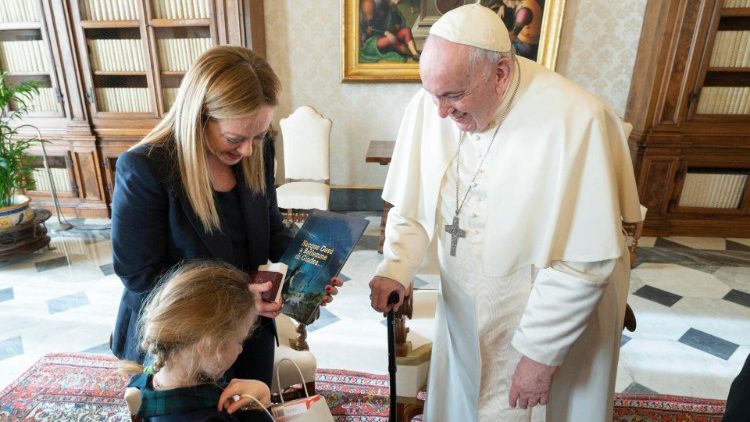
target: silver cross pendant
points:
(455, 233)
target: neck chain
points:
(453, 229)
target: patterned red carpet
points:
(66, 387)
(649, 408)
(80, 387)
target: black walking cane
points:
(392, 299)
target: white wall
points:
(598, 45)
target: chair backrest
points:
(307, 137)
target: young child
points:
(193, 326)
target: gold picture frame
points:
(352, 38)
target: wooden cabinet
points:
(109, 72)
(33, 46)
(690, 108)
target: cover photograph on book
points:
(317, 253)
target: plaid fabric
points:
(178, 400)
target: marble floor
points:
(691, 297)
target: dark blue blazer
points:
(154, 228)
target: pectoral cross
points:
(455, 233)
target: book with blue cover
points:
(318, 252)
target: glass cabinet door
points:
(180, 31)
(25, 54)
(137, 52)
(725, 89)
(61, 176)
(112, 40)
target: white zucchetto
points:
(473, 25)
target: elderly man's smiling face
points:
(468, 96)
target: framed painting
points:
(382, 39)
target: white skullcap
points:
(473, 25)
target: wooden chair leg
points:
(310, 387)
(408, 407)
(629, 322)
(300, 343)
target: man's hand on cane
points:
(380, 289)
(531, 383)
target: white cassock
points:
(543, 270)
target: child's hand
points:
(331, 290)
(243, 388)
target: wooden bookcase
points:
(32, 50)
(690, 108)
(109, 71)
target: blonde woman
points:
(201, 186)
(193, 342)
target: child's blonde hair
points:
(199, 302)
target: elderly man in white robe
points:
(525, 179)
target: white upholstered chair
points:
(293, 347)
(306, 139)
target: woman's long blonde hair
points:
(225, 82)
(199, 302)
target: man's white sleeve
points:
(560, 305)
(404, 248)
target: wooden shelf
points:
(130, 114)
(32, 113)
(729, 69)
(119, 73)
(721, 117)
(736, 12)
(24, 74)
(728, 78)
(10, 26)
(110, 24)
(171, 23)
